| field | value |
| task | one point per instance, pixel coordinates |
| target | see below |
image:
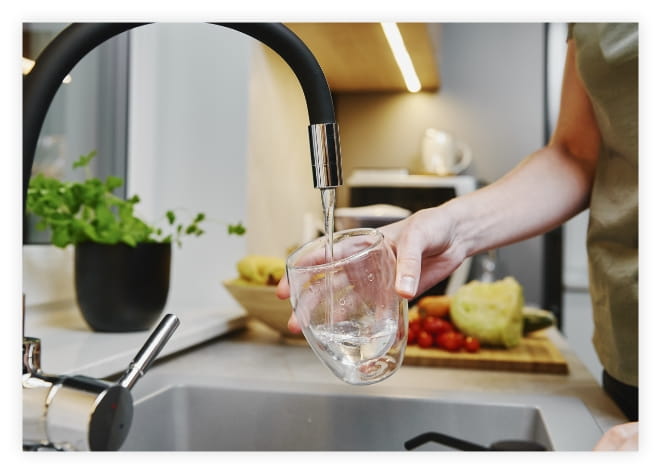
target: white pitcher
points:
(442, 154)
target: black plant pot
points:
(121, 288)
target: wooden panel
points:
(420, 47)
(356, 57)
(536, 353)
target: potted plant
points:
(121, 263)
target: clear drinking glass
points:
(347, 306)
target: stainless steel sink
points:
(232, 415)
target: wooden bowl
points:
(261, 303)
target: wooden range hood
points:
(356, 57)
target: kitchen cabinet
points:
(355, 57)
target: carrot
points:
(434, 305)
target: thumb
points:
(408, 276)
(409, 263)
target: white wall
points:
(188, 137)
(491, 98)
(280, 171)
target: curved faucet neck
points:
(70, 46)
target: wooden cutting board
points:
(536, 353)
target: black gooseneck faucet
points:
(78, 39)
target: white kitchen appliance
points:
(374, 215)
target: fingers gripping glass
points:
(347, 308)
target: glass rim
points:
(358, 230)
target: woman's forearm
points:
(544, 190)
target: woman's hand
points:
(427, 252)
(427, 249)
(619, 438)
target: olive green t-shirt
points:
(607, 61)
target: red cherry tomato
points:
(435, 325)
(414, 329)
(414, 324)
(453, 327)
(431, 324)
(471, 344)
(412, 335)
(446, 326)
(450, 341)
(425, 339)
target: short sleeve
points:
(570, 31)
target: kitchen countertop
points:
(215, 345)
(257, 353)
(70, 347)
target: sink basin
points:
(233, 415)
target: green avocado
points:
(535, 319)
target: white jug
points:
(442, 154)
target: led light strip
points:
(402, 57)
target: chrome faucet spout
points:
(325, 153)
